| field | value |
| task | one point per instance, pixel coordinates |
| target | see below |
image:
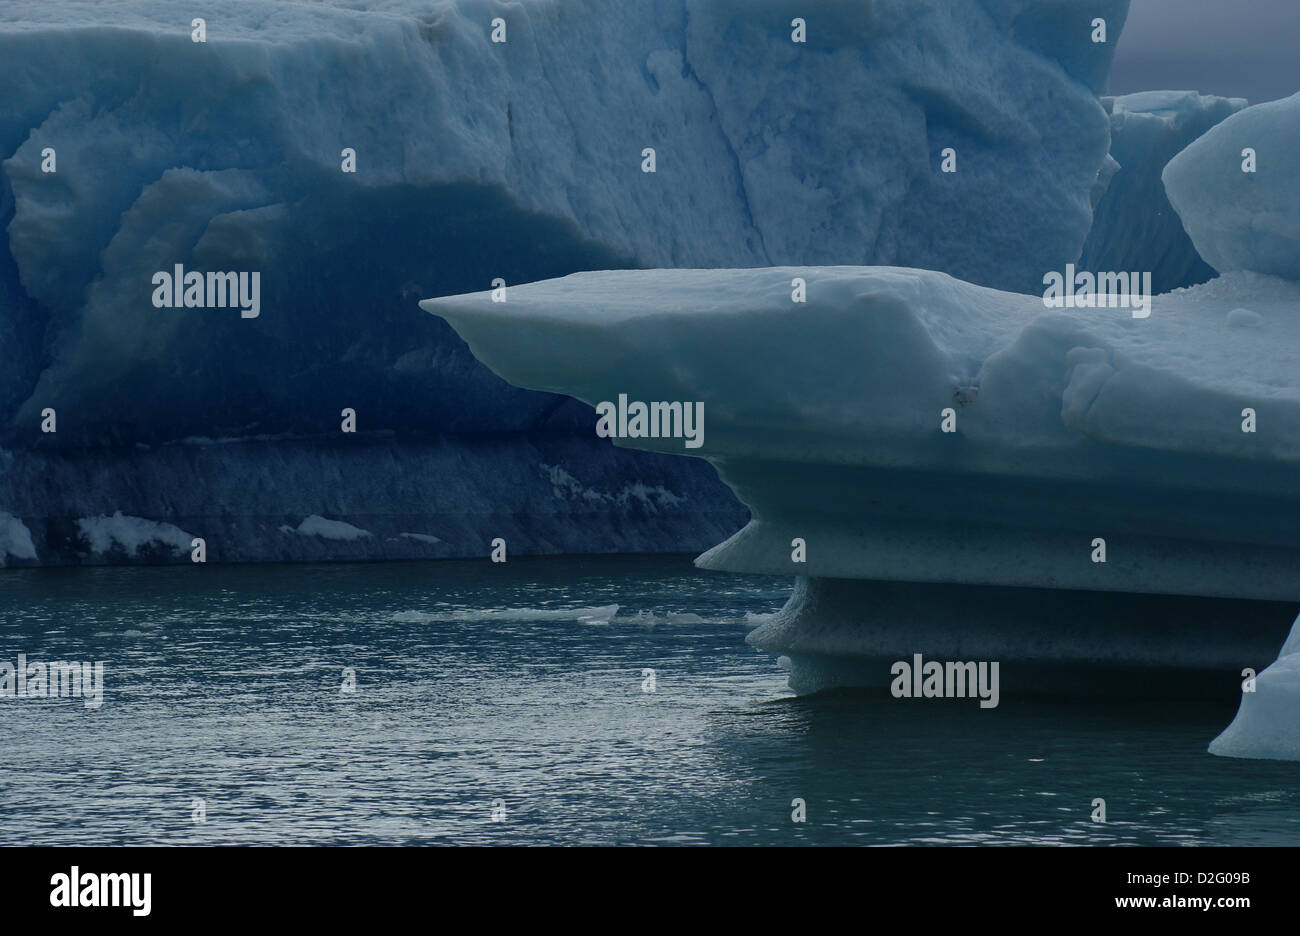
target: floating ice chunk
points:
(599, 614)
(1237, 190)
(1268, 723)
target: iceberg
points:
(145, 151)
(947, 467)
(1095, 494)
(1267, 726)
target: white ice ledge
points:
(1073, 425)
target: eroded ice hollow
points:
(825, 417)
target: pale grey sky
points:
(1236, 48)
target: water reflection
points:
(519, 688)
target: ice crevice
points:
(689, 71)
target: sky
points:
(1235, 48)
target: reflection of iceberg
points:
(1175, 438)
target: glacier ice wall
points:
(475, 160)
(418, 498)
(1134, 227)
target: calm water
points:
(518, 687)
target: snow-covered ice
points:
(131, 534)
(15, 540)
(316, 525)
(1237, 189)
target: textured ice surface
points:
(1268, 723)
(474, 160)
(1244, 220)
(1134, 227)
(825, 419)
